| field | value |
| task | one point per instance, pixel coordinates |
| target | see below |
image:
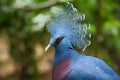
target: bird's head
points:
(68, 28)
(59, 37)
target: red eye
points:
(59, 39)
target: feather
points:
(68, 26)
(71, 22)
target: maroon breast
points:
(61, 70)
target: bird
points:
(69, 30)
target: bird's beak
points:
(48, 46)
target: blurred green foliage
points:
(17, 22)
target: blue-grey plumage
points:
(89, 68)
(67, 29)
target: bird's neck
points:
(62, 52)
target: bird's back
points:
(90, 68)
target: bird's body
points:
(67, 30)
(68, 64)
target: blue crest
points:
(71, 24)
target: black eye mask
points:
(58, 40)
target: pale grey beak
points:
(48, 46)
